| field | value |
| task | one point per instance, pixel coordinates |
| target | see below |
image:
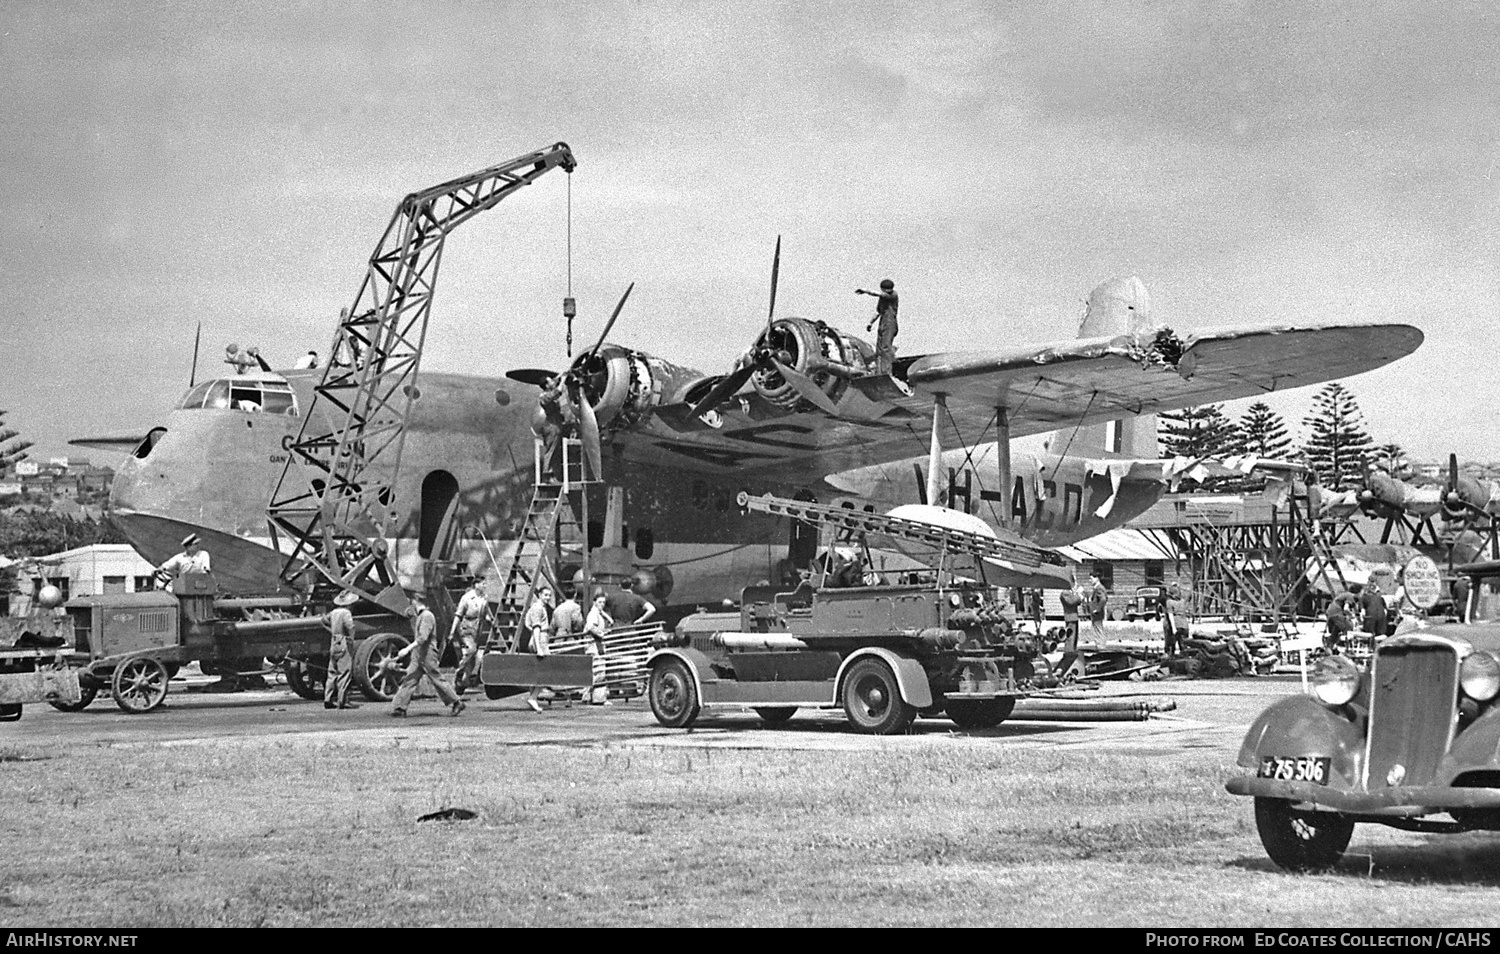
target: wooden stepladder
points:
(556, 520)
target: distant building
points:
(93, 570)
(28, 468)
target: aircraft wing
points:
(1080, 381)
(123, 445)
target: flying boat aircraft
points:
(800, 414)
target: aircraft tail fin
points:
(1119, 306)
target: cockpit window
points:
(256, 396)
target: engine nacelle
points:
(824, 353)
(1470, 496)
(622, 385)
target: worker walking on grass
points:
(424, 651)
(340, 654)
(464, 634)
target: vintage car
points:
(1413, 738)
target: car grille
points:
(1413, 710)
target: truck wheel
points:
(10, 712)
(979, 713)
(139, 684)
(86, 694)
(775, 715)
(376, 671)
(674, 698)
(1298, 840)
(872, 699)
(306, 677)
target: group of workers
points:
(545, 623)
(1373, 611)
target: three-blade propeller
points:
(764, 356)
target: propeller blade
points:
(193, 374)
(536, 376)
(588, 433)
(611, 323)
(775, 272)
(806, 387)
(725, 389)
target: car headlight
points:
(1480, 676)
(1335, 680)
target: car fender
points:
(697, 663)
(1475, 748)
(911, 678)
(1300, 725)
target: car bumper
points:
(1391, 802)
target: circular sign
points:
(1423, 582)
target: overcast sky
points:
(166, 164)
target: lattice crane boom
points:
(334, 502)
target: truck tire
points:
(979, 713)
(1299, 840)
(139, 684)
(376, 672)
(86, 694)
(872, 699)
(674, 696)
(775, 715)
(306, 677)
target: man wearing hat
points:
(885, 313)
(424, 651)
(192, 559)
(340, 655)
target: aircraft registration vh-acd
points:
(683, 444)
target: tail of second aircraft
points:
(1119, 306)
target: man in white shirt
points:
(192, 559)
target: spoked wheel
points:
(306, 677)
(376, 670)
(872, 699)
(1301, 840)
(979, 713)
(674, 698)
(86, 694)
(139, 684)
(775, 715)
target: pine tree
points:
(1337, 445)
(12, 451)
(1198, 432)
(1201, 431)
(1393, 460)
(1263, 433)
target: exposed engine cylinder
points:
(810, 347)
(622, 386)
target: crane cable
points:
(568, 305)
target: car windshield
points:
(1485, 603)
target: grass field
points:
(275, 833)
